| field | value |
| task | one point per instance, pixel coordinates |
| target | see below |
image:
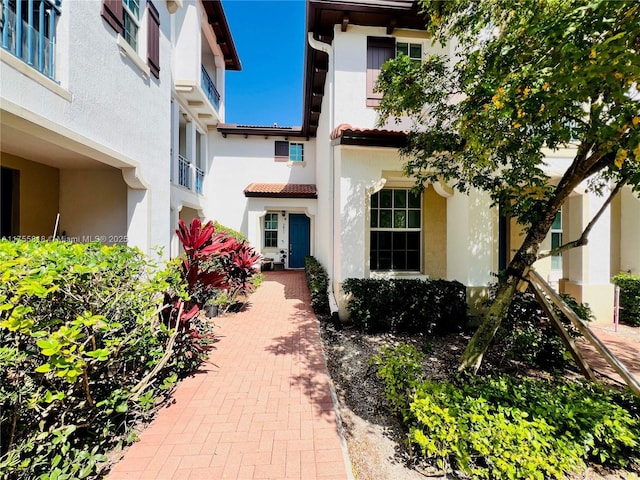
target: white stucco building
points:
(112, 133)
(126, 134)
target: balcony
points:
(190, 176)
(201, 96)
(28, 32)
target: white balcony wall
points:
(187, 41)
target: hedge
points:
(412, 306)
(629, 297)
(318, 282)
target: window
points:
(412, 50)
(293, 152)
(271, 230)
(556, 241)
(396, 220)
(28, 31)
(131, 22)
(124, 17)
(296, 152)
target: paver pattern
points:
(259, 408)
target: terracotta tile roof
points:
(281, 190)
(345, 134)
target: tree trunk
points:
(524, 257)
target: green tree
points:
(527, 75)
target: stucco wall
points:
(39, 194)
(112, 104)
(237, 162)
(93, 205)
(630, 232)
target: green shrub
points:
(528, 335)
(229, 232)
(318, 282)
(510, 428)
(83, 353)
(431, 306)
(629, 298)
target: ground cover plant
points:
(506, 427)
(318, 283)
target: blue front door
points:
(298, 239)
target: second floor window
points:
(296, 152)
(293, 152)
(131, 17)
(411, 50)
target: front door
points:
(299, 234)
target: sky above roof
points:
(269, 36)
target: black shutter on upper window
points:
(153, 40)
(112, 12)
(282, 149)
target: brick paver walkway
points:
(261, 408)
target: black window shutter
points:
(112, 12)
(282, 149)
(153, 40)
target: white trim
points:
(30, 72)
(128, 51)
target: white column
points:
(191, 133)
(175, 140)
(471, 245)
(629, 232)
(139, 219)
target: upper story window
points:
(131, 21)
(29, 32)
(395, 230)
(126, 18)
(379, 50)
(292, 152)
(411, 50)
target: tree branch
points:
(584, 238)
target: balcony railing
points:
(184, 172)
(199, 180)
(210, 89)
(28, 32)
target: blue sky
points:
(269, 37)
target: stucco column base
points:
(600, 297)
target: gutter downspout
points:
(328, 49)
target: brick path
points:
(261, 408)
(624, 344)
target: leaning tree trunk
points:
(524, 257)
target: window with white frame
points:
(411, 50)
(556, 241)
(286, 151)
(131, 22)
(271, 230)
(395, 230)
(296, 152)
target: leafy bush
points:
(629, 298)
(318, 282)
(431, 306)
(229, 232)
(83, 353)
(528, 335)
(507, 427)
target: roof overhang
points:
(255, 130)
(346, 135)
(281, 190)
(218, 21)
(322, 16)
